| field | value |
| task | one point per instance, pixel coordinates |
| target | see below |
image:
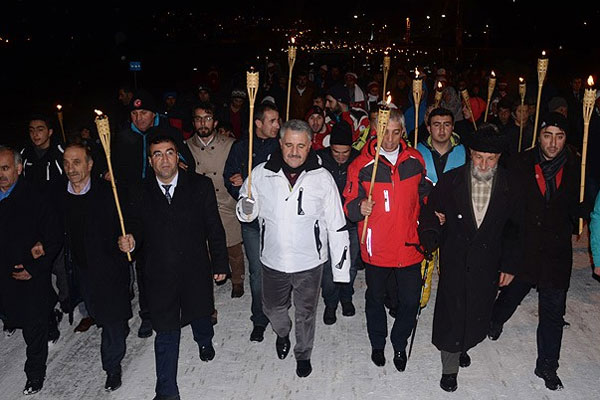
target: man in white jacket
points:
(300, 215)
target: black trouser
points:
(140, 263)
(166, 353)
(551, 309)
(36, 339)
(112, 347)
(408, 285)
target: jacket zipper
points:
(318, 239)
(262, 237)
(341, 263)
(300, 210)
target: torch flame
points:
(590, 81)
(98, 113)
(543, 53)
(389, 99)
(293, 40)
(521, 80)
(439, 85)
(493, 74)
(417, 73)
(59, 107)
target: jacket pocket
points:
(341, 263)
(300, 210)
(262, 237)
(318, 238)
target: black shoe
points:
(348, 309)
(378, 357)
(53, 335)
(8, 332)
(448, 382)
(550, 378)
(33, 386)
(400, 360)
(163, 397)
(464, 360)
(303, 368)
(113, 382)
(392, 312)
(494, 331)
(258, 334)
(282, 345)
(207, 353)
(237, 290)
(145, 330)
(329, 317)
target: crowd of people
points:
(490, 205)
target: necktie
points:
(167, 194)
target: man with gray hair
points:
(300, 215)
(390, 249)
(25, 285)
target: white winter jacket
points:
(298, 223)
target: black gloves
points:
(429, 241)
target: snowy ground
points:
(341, 360)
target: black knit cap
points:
(555, 119)
(340, 93)
(487, 139)
(341, 133)
(142, 100)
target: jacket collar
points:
(371, 148)
(275, 163)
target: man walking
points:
(300, 215)
(175, 215)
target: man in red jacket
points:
(390, 248)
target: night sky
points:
(58, 51)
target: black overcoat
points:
(184, 245)
(104, 280)
(25, 218)
(470, 258)
(547, 227)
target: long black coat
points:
(470, 258)
(25, 218)
(184, 245)
(104, 281)
(547, 228)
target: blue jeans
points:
(251, 237)
(334, 293)
(166, 353)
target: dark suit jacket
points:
(26, 218)
(184, 245)
(470, 258)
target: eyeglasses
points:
(169, 153)
(206, 118)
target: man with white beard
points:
(477, 232)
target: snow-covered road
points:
(341, 359)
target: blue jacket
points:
(595, 232)
(456, 158)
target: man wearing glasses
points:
(174, 215)
(210, 151)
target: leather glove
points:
(429, 241)
(247, 206)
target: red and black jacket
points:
(399, 192)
